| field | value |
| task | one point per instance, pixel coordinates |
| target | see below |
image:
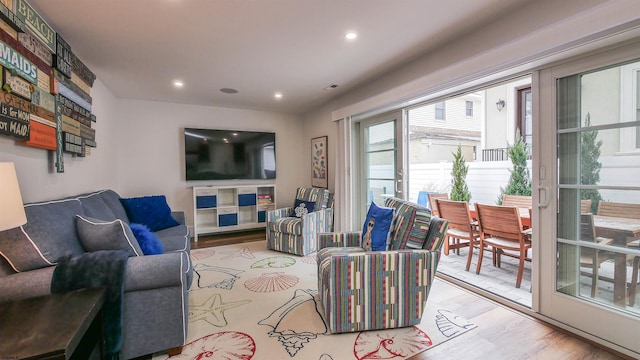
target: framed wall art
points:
(319, 175)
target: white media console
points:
(231, 208)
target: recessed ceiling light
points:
(278, 95)
(178, 84)
(351, 35)
(229, 91)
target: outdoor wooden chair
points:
(501, 228)
(434, 205)
(617, 209)
(585, 206)
(592, 257)
(461, 227)
(517, 200)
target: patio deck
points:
(501, 280)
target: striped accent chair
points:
(297, 235)
(373, 290)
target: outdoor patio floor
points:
(501, 281)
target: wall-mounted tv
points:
(211, 154)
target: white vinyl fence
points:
(485, 179)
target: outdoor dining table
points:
(622, 231)
(524, 215)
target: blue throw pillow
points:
(377, 225)
(152, 211)
(147, 240)
(302, 207)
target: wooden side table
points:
(57, 326)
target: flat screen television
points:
(211, 154)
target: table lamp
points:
(11, 208)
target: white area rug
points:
(247, 302)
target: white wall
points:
(150, 148)
(36, 175)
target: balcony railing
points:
(500, 154)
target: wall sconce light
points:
(500, 104)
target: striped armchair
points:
(373, 290)
(297, 235)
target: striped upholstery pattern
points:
(383, 289)
(339, 239)
(290, 234)
(410, 224)
(435, 236)
(289, 225)
(376, 290)
(317, 195)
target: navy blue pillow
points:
(147, 240)
(302, 207)
(377, 226)
(152, 211)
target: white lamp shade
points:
(11, 207)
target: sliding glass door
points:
(590, 196)
(380, 159)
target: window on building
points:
(524, 117)
(469, 108)
(440, 111)
(630, 106)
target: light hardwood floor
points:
(502, 333)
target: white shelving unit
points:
(231, 208)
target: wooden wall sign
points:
(44, 81)
(80, 83)
(16, 128)
(8, 29)
(7, 14)
(82, 70)
(72, 105)
(14, 101)
(36, 47)
(76, 98)
(72, 143)
(20, 49)
(11, 112)
(36, 24)
(16, 85)
(87, 133)
(75, 89)
(76, 116)
(42, 135)
(14, 60)
(62, 59)
(43, 99)
(70, 126)
(41, 112)
(59, 156)
(7, 3)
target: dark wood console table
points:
(58, 326)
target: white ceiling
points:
(137, 48)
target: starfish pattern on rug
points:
(240, 253)
(212, 310)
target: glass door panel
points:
(381, 160)
(595, 237)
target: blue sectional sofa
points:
(155, 301)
